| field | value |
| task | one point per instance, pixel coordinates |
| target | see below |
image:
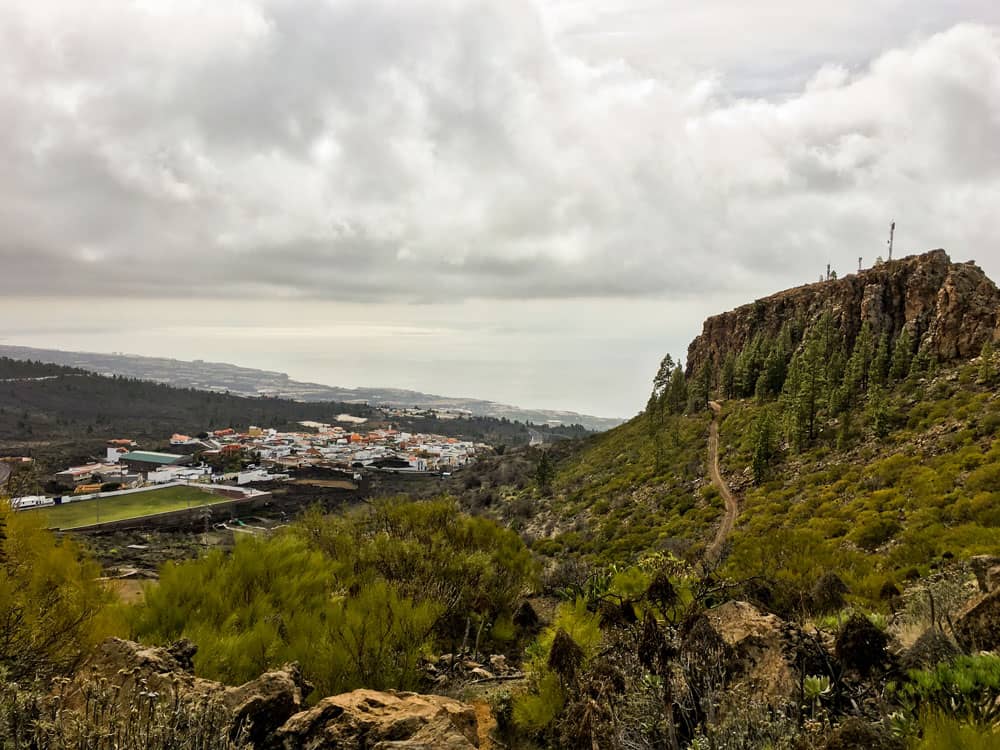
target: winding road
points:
(714, 551)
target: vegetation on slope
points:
(355, 599)
(52, 607)
(861, 459)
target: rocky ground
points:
(274, 705)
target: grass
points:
(122, 507)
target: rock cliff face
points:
(951, 308)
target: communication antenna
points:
(892, 231)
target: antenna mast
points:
(892, 231)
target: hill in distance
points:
(246, 381)
(60, 414)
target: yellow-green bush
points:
(53, 608)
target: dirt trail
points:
(714, 551)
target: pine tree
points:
(677, 393)
(813, 381)
(654, 424)
(544, 472)
(772, 377)
(988, 365)
(806, 387)
(844, 433)
(882, 362)
(877, 412)
(923, 362)
(728, 383)
(763, 446)
(902, 357)
(700, 388)
(662, 379)
(858, 368)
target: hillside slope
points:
(855, 449)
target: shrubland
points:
(864, 459)
(355, 599)
(868, 476)
(52, 606)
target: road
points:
(714, 551)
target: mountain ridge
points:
(948, 309)
(248, 381)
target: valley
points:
(792, 545)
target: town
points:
(228, 457)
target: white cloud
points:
(446, 149)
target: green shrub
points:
(355, 600)
(967, 688)
(51, 602)
(940, 732)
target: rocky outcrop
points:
(986, 568)
(273, 705)
(370, 720)
(977, 626)
(763, 648)
(263, 704)
(951, 308)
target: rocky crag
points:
(952, 309)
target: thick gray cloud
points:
(379, 150)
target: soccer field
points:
(121, 507)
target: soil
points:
(714, 552)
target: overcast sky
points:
(525, 201)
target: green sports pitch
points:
(123, 507)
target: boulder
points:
(758, 645)
(264, 703)
(131, 666)
(977, 625)
(372, 720)
(987, 571)
(272, 705)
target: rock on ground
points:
(756, 639)
(371, 720)
(977, 626)
(955, 307)
(264, 703)
(274, 703)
